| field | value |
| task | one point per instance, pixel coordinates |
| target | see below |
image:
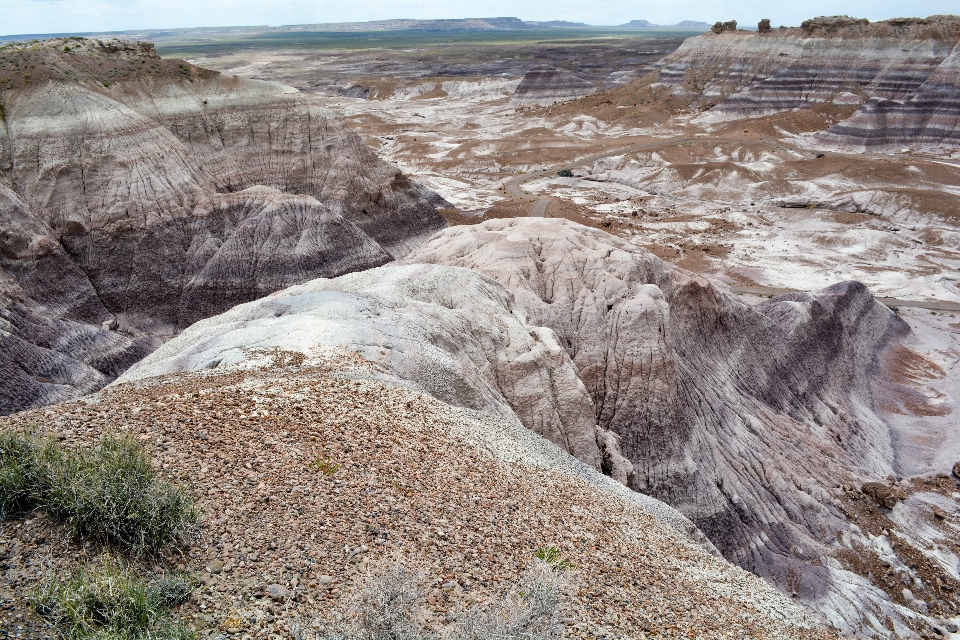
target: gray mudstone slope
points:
(744, 419)
(139, 195)
(452, 332)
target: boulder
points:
(883, 494)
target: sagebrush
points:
(390, 606)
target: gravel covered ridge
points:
(416, 477)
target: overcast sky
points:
(57, 16)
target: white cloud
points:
(57, 16)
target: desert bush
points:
(553, 557)
(109, 602)
(565, 173)
(389, 607)
(529, 612)
(109, 493)
(114, 495)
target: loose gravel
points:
(309, 476)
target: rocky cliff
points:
(901, 74)
(143, 194)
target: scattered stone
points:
(883, 494)
(278, 592)
(215, 566)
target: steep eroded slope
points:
(142, 195)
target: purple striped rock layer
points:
(546, 86)
(143, 194)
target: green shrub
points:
(109, 602)
(552, 556)
(324, 465)
(565, 173)
(115, 496)
(109, 493)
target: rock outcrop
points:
(902, 73)
(547, 85)
(726, 412)
(147, 194)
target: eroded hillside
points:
(139, 195)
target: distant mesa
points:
(897, 80)
(685, 24)
(459, 24)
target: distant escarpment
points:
(547, 85)
(139, 195)
(901, 75)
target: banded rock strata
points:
(145, 194)
(726, 412)
(546, 86)
(902, 74)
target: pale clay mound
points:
(143, 194)
(723, 411)
(467, 495)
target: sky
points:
(72, 16)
